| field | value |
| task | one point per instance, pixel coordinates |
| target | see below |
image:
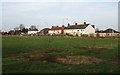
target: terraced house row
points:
(76, 29)
(80, 30)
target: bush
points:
(84, 35)
(76, 34)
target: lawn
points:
(106, 49)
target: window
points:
(108, 34)
(82, 29)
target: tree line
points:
(21, 29)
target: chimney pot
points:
(84, 22)
(62, 25)
(68, 24)
(75, 23)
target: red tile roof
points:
(57, 28)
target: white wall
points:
(72, 31)
(102, 34)
(112, 34)
(107, 34)
(89, 30)
(54, 32)
(32, 32)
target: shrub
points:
(84, 35)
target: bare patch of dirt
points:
(93, 48)
(54, 50)
(115, 61)
(77, 60)
(68, 60)
(49, 50)
(33, 57)
(42, 58)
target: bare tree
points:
(21, 26)
(16, 28)
(33, 27)
(97, 29)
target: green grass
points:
(13, 45)
(48, 67)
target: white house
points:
(107, 33)
(56, 30)
(32, 32)
(79, 29)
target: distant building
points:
(76, 29)
(32, 32)
(107, 33)
(80, 29)
(56, 30)
(44, 31)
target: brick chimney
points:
(85, 23)
(68, 24)
(75, 23)
(52, 26)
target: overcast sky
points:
(46, 14)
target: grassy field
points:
(105, 49)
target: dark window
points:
(107, 34)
